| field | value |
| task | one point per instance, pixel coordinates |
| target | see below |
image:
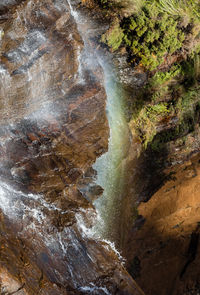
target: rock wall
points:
(163, 247)
(53, 126)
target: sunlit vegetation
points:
(128, 6)
(162, 38)
(151, 36)
(114, 36)
(156, 31)
(147, 120)
(174, 97)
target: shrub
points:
(147, 120)
(162, 77)
(151, 35)
(114, 36)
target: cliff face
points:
(53, 126)
(164, 245)
(6, 5)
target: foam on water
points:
(91, 233)
(82, 223)
(14, 202)
(5, 84)
(1, 34)
(92, 289)
(110, 167)
(35, 211)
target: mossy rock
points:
(114, 36)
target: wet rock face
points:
(52, 128)
(5, 5)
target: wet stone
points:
(52, 128)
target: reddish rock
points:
(164, 244)
(52, 129)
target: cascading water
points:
(48, 84)
(111, 166)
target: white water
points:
(110, 167)
(15, 203)
(92, 288)
(5, 80)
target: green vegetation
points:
(151, 36)
(114, 36)
(147, 120)
(129, 6)
(162, 38)
(161, 78)
(174, 96)
(186, 9)
(156, 31)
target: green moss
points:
(147, 119)
(183, 108)
(162, 37)
(158, 109)
(162, 77)
(187, 101)
(181, 105)
(114, 36)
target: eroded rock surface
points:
(164, 245)
(53, 126)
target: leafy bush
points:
(155, 30)
(147, 120)
(114, 36)
(151, 35)
(162, 77)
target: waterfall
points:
(43, 111)
(111, 166)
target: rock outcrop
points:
(53, 126)
(164, 244)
